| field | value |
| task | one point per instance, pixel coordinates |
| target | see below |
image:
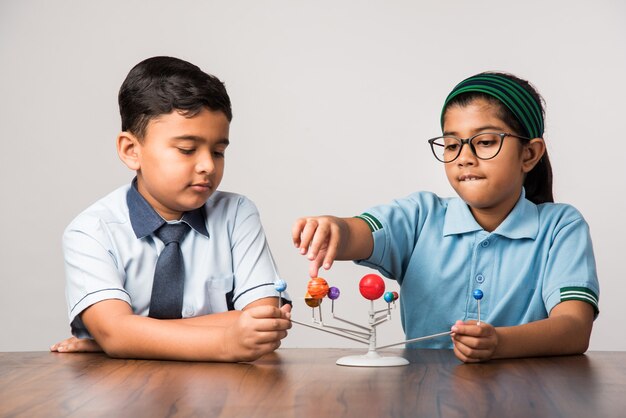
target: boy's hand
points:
(257, 331)
(76, 345)
(474, 342)
(318, 238)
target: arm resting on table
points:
(231, 336)
(566, 331)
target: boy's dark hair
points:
(160, 85)
(538, 182)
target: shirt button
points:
(480, 278)
(189, 312)
(484, 244)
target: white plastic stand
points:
(372, 359)
(364, 335)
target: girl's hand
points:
(76, 345)
(474, 342)
(318, 238)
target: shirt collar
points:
(145, 220)
(459, 219)
(522, 222)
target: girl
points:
(532, 258)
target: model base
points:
(372, 359)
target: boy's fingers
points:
(286, 309)
(264, 311)
(270, 318)
(269, 346)
(258, 350)
(63, 347)
(77, 345)
(65, 344)
(272, 325)
(270, 337)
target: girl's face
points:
(490, 187)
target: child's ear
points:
(532, 153)
(129, 149)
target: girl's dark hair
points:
(160, 85)
(538, 182)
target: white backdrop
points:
(333, 102)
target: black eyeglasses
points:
(484, 146)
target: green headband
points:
(519, 101)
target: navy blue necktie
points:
(169, 276)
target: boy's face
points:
(180, 161)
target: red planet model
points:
(372, 286)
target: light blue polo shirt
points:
(111, 252)
(539, 256)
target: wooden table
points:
(307, 383)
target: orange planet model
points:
(317, 288)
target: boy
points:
(206, 294)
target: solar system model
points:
(371, 287)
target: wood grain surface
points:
(307, 383)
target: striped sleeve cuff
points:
(580, 293)
(373, 223)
